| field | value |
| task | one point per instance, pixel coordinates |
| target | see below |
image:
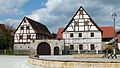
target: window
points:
(21, 36)
(92, 47)
(86, 23)
(27, 27)
(81, 12)
(71, 47)
(20, 47)
(22, 27)
(80, 47)
(33, 41)
(80, 34)
(24, 21)
(71, 34)
(92, 34)
(28, 37)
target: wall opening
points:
(56, 50)
(43, 49)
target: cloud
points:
(13, 22)
(10, 7)
(59, 12)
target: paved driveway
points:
(14, 62)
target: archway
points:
(43, 49)
(56, 50)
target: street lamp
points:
(114, 15)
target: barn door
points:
(43, 49)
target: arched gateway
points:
(56, 50)
(43, 49)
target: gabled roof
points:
(38, 27)
(76, 14)
(108, 32)
(59, 33)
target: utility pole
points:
(114, 15)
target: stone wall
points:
(52, 42)
(21, 46)
(71, 64)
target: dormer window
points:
(22, 27)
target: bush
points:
(110, 49)
(37, 56)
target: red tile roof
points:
(59, 33)
(108, 32)
(118, 38)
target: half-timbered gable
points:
(82, 30)
(24, 32)
(81, 21)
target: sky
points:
(57, 13)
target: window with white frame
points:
(80, 34)
(71, 35)
(92, 34)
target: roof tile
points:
(108, 32)
(59, 33)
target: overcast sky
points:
(57, 13)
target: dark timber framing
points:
(76, 24)
(41, 31)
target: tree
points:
(54, 35)
(2, 41)
(8, 36)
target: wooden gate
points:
(43, 49)
(56, 50)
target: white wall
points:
(86, 40)
(119, 46)
(24, 32)
(21, 46)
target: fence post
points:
(17, 51)
(5, 52)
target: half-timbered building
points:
(82, 33)
(29, 30)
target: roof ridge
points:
(105, 26)
(38, 27)
(34, 20)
